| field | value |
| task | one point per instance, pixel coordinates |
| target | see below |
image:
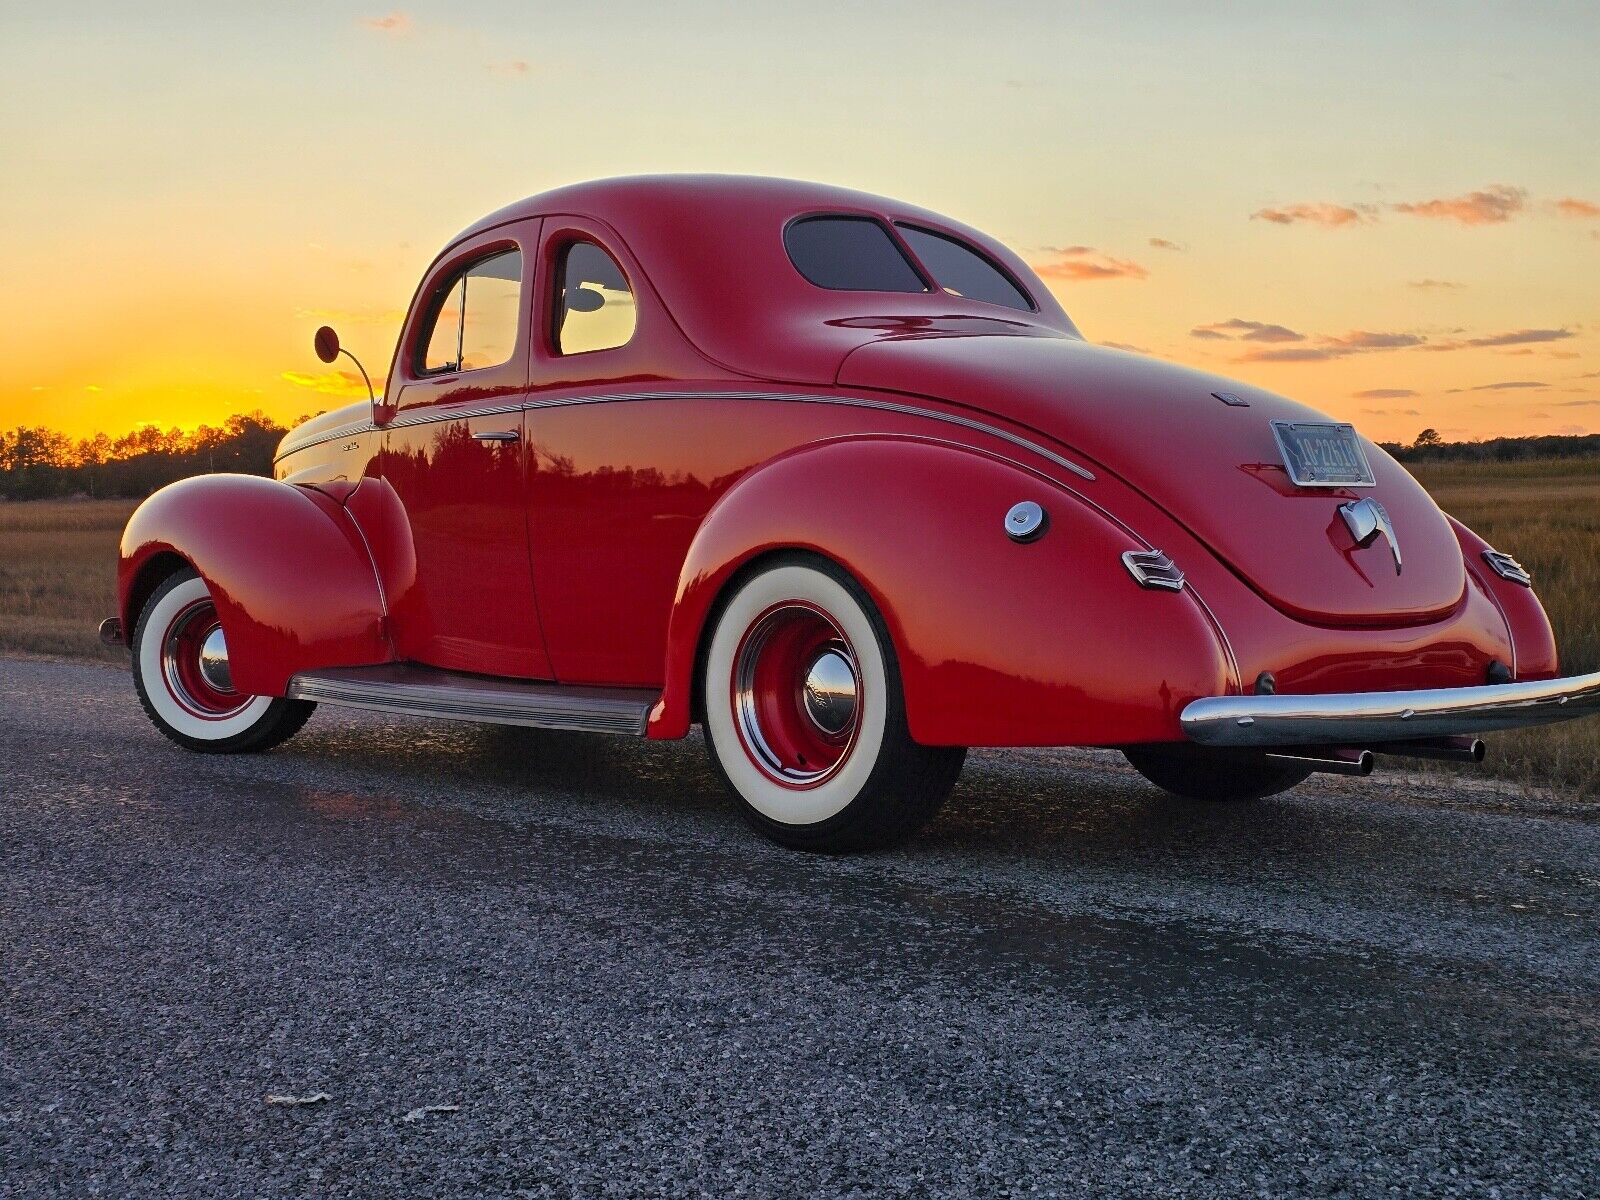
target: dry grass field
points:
(58, 564)
(57, 561)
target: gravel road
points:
(1069, 985)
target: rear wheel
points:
(182, 675)
(805, 719)
(1198, 775)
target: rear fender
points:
(290, 573)
(999, 643)
(1533, 642)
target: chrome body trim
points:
(1366, 519)
(1153, 569)
(1369, 718)
(354, 429)
(497, 435)
(437, 415)
(1507, 567)
(416, 691)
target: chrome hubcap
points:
(214, 661)
(830, 692)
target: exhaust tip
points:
(111, 632)
(1329, 760)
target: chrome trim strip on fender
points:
(425, 692)
(1365, 718)
(331, 435)
(912, 410)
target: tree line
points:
(1430, 447)
(37, 463)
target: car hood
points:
(1215, 467)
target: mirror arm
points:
(371, 395)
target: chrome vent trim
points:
(1153, 569)
(1507, 567)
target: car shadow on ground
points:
(1059, 807)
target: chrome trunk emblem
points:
(1366, 519)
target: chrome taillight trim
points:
(1153, 569)
(1507, 567)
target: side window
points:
(475, 325)
(849, 254)
(961, 270)
(594, 305)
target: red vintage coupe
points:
(838, 479)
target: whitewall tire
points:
(804, 715)
(181, 672)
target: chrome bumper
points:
(1366, 718)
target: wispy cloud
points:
(516, 66)
(1132, 349)
(1510, 385)
(1164, 244)
(1571, 206)
(1330, 216)
(1239, 329)
(1440, 285)
(1493, 205)
(1392, 412)
(1385, 394)
(1085, 263)
(396, 24)
(331, 383)
(1516, 337)
(1359, 341)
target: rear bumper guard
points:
(1366, 718)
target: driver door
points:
(455, 456)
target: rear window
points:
(961, 270)
(849, 254)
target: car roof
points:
(712, 247)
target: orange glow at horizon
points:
(188, 201)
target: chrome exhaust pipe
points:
(1330, 760)
(1450, 749)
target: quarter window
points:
(961, 270)
(475, 325)
(849, 254)
(594, 304)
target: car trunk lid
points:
(1214, 465)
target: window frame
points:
(982, 255)
(898, 242)
(558, 251)
(435, 306)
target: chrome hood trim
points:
(1363, 718)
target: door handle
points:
(497, 435)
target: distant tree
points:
(1428, 437)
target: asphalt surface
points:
(1069, 985)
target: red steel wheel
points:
(804, 717)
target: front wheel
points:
(805, 719)
(1197, 775)
(181, 672)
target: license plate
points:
(1323, 454)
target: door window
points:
(475, 323)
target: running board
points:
(453, 696)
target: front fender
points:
(999, 643)
(292, 580)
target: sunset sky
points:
(1389, 211)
